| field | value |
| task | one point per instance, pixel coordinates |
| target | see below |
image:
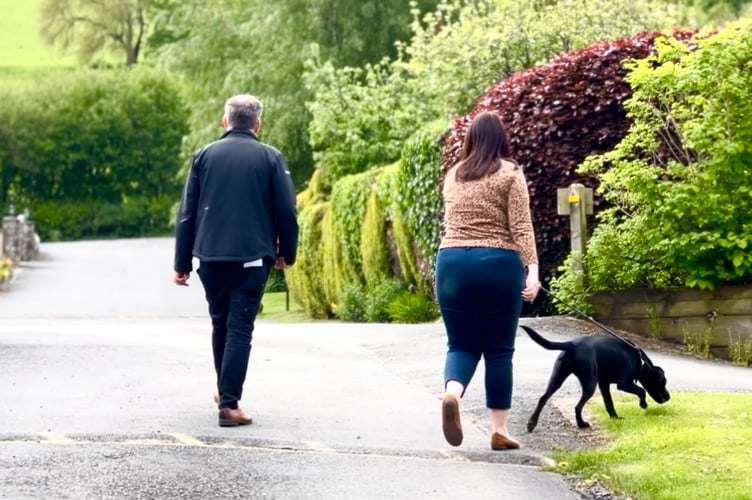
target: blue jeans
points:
(479, 291)
(234, 294)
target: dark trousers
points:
(479, 292)
(234, 294)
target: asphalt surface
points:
(106, 382)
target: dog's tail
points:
(545, 343)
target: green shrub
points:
(360, 117)
(351, 304)
(276, 281)
(6, 269)
(87, 219)
(348, 202)
(408, 307)
(105, 144)
(334, 275)
(680, 179)
(374, 248)
(304, 279)
(418, 196)
(406, 255)
(377, 299)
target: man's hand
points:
(281, 264)
(181, 279)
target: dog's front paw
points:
(643, 404)
(583, 425)
(531, 425)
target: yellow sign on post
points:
(576, 201)
(576, 193)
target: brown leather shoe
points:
(499, 442)
(231, 417)
(450, 419)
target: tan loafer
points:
(450, 419)
(231, 417)
(499, 442)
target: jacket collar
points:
(239, 131)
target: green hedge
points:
(374, 243)
(360, 239)
(101, 146)
(86, 219)
(305, 278)
(418, 196)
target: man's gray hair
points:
(243, 111)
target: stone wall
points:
(19, 240)
(719, 322)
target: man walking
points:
(238, 217)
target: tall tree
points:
(257, 46)
(96, 26)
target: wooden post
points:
(577, 202)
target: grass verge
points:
(695, 446)
(275, 309)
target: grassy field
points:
(695, 446)
(20, 44)
(275, 309)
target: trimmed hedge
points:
(102, 145)
(556, 115)
(88, 219)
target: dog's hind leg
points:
(562, 370)
(635, 389)
(587, 373)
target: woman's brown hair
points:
(485, 145)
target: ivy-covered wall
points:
(375, 226)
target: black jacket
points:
(238, 204)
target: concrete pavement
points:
(106, 381)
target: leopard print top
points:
(490, 212)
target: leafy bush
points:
(304, 279)
(276, 281)
(348, 203)
(351, 305)
(6, 269)
(378, 296)
(418, 197)
(556, 115)
(333, 272)
(360, 117)
(409, 307)
(87, 219)
(374, 248)
(680, 180)
(107, 142)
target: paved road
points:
(106, 381)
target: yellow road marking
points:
(180, 439)
(319, 447)
(187, 440)
(56, 438)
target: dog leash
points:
(588, 317)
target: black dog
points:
(603, 361)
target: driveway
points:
(106, 393)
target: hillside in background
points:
(22, 51)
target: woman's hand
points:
(532, 284)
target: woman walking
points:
(486, 266)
